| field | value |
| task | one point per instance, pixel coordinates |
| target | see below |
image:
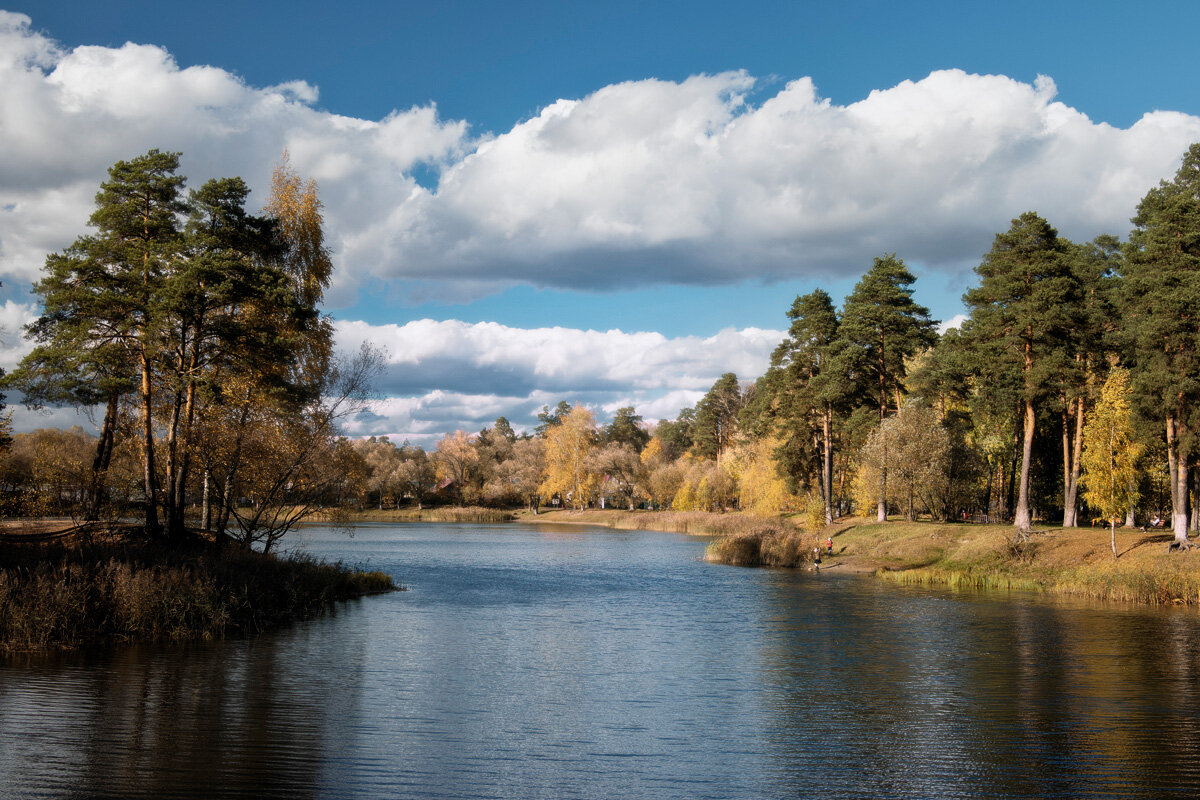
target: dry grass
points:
(65, 595)
(766, 547)
(439, 514)
(1076, 562)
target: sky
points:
(608, 203)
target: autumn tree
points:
(456, 458)
(913, 448)
(520, 475)
(295, 207)
(568, 448)
(416, 474)
(292, 458)
(1096, 266)
(622, 471)
(1110, 453)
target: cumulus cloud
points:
(13, 319)
(442, 376)
(706, 180)
(69, 114)
(954, 322)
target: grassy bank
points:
(1077, 562)
(66, 592)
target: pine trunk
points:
(1179, 481)
(827, 462)
(169, 497)
(104, 449)
(1072, 449)
(1022, 520)
(149, 476)
(881, 508)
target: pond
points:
(572, 662)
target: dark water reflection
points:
(544, 663)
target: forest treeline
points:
(1069, 394)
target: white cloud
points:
(699, 181)
(443, 376)
(13, 319)
(954, 322)
(68, 115)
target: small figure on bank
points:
(829, 544)
(816, 555)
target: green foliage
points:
(716, 422)
(676, 437)
(547, 419)
(626, 428)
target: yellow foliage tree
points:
(568, 449)
(1110, 453)
(685, 499)
(762, 491)
(456, 457)
(652, 453)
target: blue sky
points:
(676, 169)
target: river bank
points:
(1076, 561)
(66, 587)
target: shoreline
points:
(1071, 562)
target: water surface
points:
(554, 662)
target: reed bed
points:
(453, 514)
(54, 596)
(765, 547)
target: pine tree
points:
(1027, 304)
(1161, 319)
(881, 327)
(716, 421)
(810, 391)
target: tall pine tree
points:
(1028, 304)
(881, 327)
(1162, 318)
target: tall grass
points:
(764, 547)
(454, 514)
(55, 596)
